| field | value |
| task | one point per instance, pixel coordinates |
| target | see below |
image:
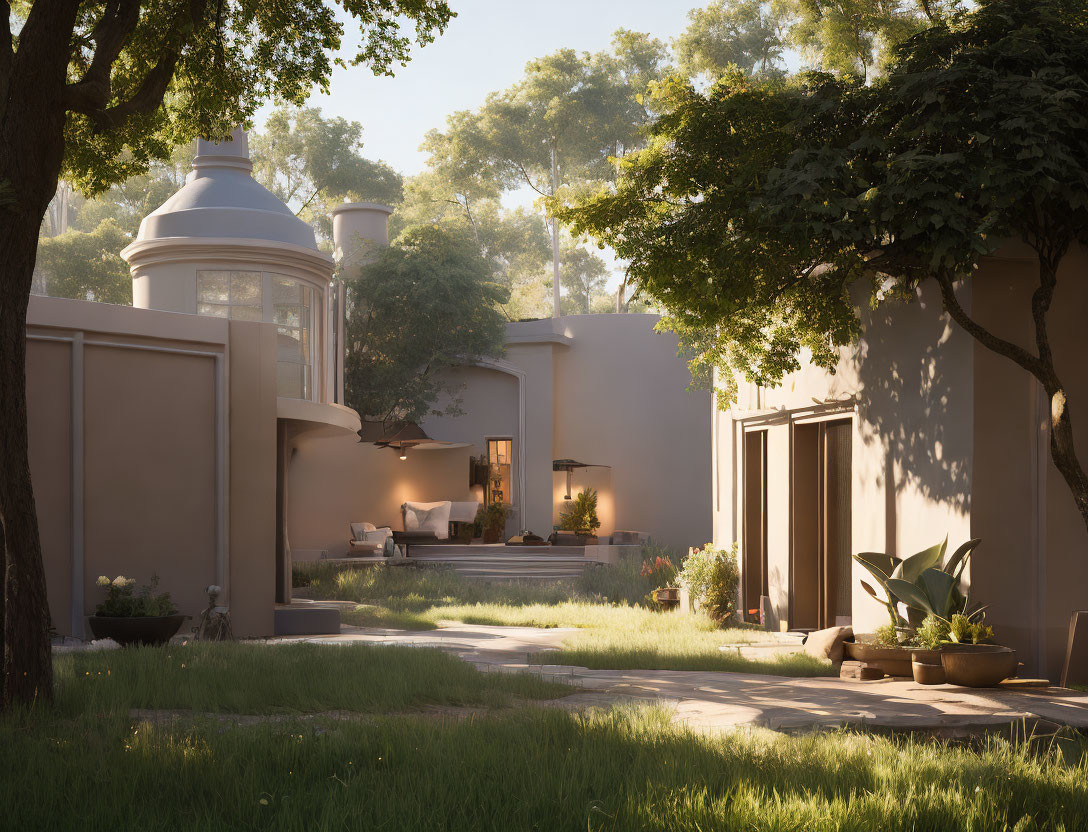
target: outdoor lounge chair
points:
(367, 539)
(433, 524)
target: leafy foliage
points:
(713, 577)
(581, 513)
(123, 600)
(87, 265)
(425, 304)
(584, 275)
(748, 34)
(216, 62)
(314, 162)
(764, 212)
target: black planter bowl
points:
(151, 630)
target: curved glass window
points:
(293, 313)
(264, 296)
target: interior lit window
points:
(500, 479)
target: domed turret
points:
(222, 199)
(225, 246)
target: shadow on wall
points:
(915, 399)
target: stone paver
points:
(715, 701)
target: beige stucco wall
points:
(252, 580)
(149, 427)
(335, 480)
(148, 435)
(1033, 565)
(602, 389)
(948, 438)
(622, 400)
(910, 375)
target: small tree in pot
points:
(581, 514)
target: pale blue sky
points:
(485, 48)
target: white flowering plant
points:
(124, 600)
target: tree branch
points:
(92, 91)
(992, 342)
(529, 181)
(1050, 255)
(149, 96)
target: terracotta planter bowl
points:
(978, 665)
(926, 667)
(894, 661)
(143, 630)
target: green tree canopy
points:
(86, 265)
(560, 124)
(313, 163)
(584, 277)
(761, 208)
(748, 34)
(427, 303)
(513, 242)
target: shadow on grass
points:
(520, 770)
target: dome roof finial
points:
(233, 153)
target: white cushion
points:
(428, 517)
(464, 512)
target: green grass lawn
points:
(286, 678)
(610, 635)
(86, 764)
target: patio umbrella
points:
(569, 465)
(400, 436)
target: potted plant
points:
(580, 517)
(131, 616)
(925, 584)
(663, 572)
(492, 520)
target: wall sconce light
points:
(403, 452)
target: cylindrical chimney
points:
(358, 228)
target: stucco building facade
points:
(921, 432)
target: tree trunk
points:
(27, 667)
(556, 306)
(1064, 454)
(32, 115)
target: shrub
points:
(713, 577)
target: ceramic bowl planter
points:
(150, 630)
(926, 667)
(894, 661)
(978, 665)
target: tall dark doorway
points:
(755, 520)
(820, 565)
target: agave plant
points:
(920, 582)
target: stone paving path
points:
(716, 701)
